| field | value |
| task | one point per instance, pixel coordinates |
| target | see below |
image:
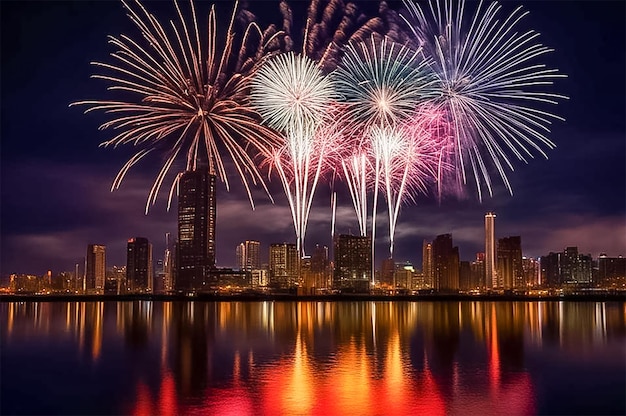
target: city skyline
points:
(55, 192)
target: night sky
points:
(56, 180)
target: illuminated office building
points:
(510, 271)
(611, 271)
(445, 264)
(95, 268)
(387, 273)
(139, 276)
(247, 254)
(196, 229)
(491, 274)
(283, 266)
(427, 263)
(353, 263)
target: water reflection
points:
(325, 357)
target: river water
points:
(348, 358)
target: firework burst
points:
(381, 84)
(489, 85)
(407, 161)
(185, 99)
(293, 96)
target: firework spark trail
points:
(489, 84)
(292, 95)
(187, 100)
(332, 24)
(407, 161)
(356, 172)
(381, 84)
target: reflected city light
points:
(325, 357)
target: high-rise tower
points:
(248, 255)
(427, 263)
(510, 272)
(491, 275)
(197, 211)
(139, 265)
(168, 272)
(445, 264)
(283, 265)
(95, 268)
(353, 263)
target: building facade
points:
(510, 271)
(283, 266)
(611, 272)
(352, 263)
(248, 255)
(491, 274)
(197, 211)
(427, 264)
(139, 276)
(95, 269)
(445, 264)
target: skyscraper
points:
(477, 268)
(196, 229)
(387, 273)
(139, 265)
(248, 255)
(491, 274)
(353, 263)
(320, 267)
(240, 256)
(283, 266)
(567, 267)
(445, 264)
(427, 263)
(530, 268)
(95, 270)
(168, 263)
(510, 271)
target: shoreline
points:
(202, 297)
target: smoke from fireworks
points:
(186, 99)
(292, 95)
(488, 83)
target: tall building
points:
(139, 276)
(465, 276)
(575, 268)
(352, 263)
(445, 264)
(611, 271)
(387, 273)
(240, 256)
(95, 268)
(551, 270)
(403, 276)
(491, 275)
(283, 266)
(196, 229)
(320, 267)
(567, 267)
(477, 269)
(168, 264)
(510, 272)
(427, 263)
(248, 255)
(530, 267)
